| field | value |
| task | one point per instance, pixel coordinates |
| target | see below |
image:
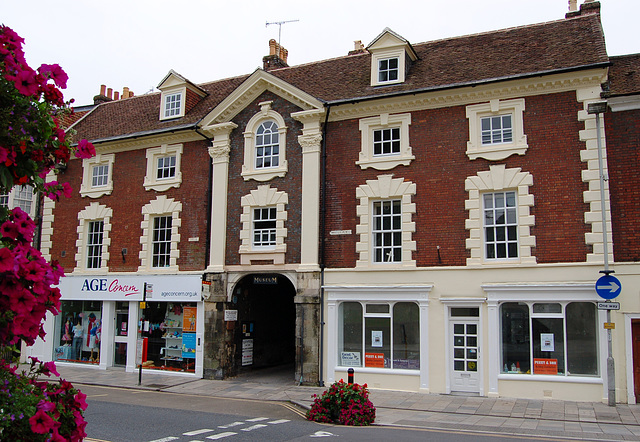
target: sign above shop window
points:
(131, 288)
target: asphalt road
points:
(124, 415)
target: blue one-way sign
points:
(608, 287)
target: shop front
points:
(119, 320)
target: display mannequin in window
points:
(77, 340)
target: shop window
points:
(536, 335)
(380, 335)
(78, 332)
(169, 330)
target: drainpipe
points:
(323, 214)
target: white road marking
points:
(233, 424)
(257, 419)
(196, 432)
(281, 421)
(321, 434)
(221, 435)
(254, 427)
(166, 439)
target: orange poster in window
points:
(375, 360)
(189, 319)
(545, 366)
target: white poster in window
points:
(350, 358)
(376, 338)
(546, 342)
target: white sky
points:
(135, 43)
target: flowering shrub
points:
(32, 144)
(345, 404)
(36, 410)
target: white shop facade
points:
(108, 321)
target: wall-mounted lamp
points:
(124, 253)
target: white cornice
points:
(470, 94)
(147, 141)
(619, 104)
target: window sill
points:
(161, 186)
(550, 378)
(496, 152)
(385, 163)
(96, 193)
(266, 174)
(397, 371)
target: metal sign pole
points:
(597, 109)
(144, 301)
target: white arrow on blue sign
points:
(608, 287)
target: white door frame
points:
(448, 363)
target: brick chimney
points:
(102, 96)
(358, 48)
(277, 57)
(588, 7)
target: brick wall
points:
(291, 183)
(126, 201)
(623, 158)
(438, 138)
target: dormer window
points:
(388, 70)
(391, 57)
(179, 95)
(172, 105)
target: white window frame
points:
(174, 111)
(377, 295)
(264, 215)
(159, 253)
(494, 210)
(93, 212)
(249, 169)
(88, 164)
(161, 206)
(381, 55)
(498, 178)
(388, 70)
(496, 151)
(94, 243)
(262, 197)
(16, 198)
(151, 180)
(379, 218)
(498, 294)
(385, 187)
(368, 126)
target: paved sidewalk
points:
(579, 420)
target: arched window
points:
(267, 145)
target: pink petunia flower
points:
(26, 82)
(50, 368)
(41, 422)
(6, 260)
(85, 149)
(9, 230)
(56, 73)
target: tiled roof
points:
(556, 46)
(624, 75)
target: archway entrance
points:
(265, 329)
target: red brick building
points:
(429, 214)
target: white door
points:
(465, 359)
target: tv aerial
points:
(279, 23)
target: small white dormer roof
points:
(174, 79)
(390, 39)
